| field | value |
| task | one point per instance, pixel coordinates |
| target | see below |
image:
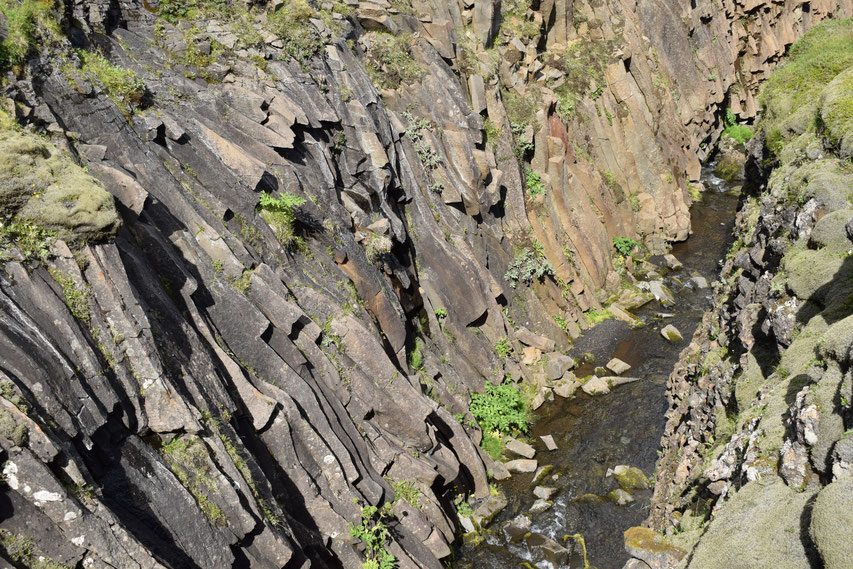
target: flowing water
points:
(624, 427)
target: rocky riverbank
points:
(258, 256)
(756, 464)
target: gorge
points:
(258, 256)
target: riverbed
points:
(624, 427)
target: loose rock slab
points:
(617, 366)
(521, 465)
(549, 442)
(520, 448)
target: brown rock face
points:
(330, 237)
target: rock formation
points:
(330, 215)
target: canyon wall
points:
(757, 456)
(318, 212)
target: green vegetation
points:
(529, 265)
(406, 490)
(503, 348)
(440, 313)
(790, 96)
(280, 215)
(416, 356)
(491, 132)
(291, 23)
(389, 61)
(32, 241)
(174, 11)
(25, 19)
(615, 187)
(123, 86)
(20, 550)
(739, 133)
(534, 184)
(595, 316)
(77, 298)
(583, 63)
(624, 245)
(501, 409)
(188, 458)
(516, 22)
(373, 533)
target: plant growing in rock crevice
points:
(501, 410)
(373, 534)
(529, 265)
(280, 214)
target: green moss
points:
(76, 297)
(189, 460)
(12, 430)
(21, 551)
(43, 193)
(644, 539)
(831, 526)
(836, 112)
(813, 62)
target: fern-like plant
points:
(279, 213)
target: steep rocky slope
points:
(320, 207)
(757, 457)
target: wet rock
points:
(544, 492)
(519, 448)
(486, 511)
(549, 442)
(620, 497)
(620, 313)
(521, 465)
(698, 283)
(596, 386)
(661, 292)
(630, 478)
(540, 506)
(517, 528)
(543, 548)
(541, 473)
(672, 262)
(566, 388)
(671, 333)
(617, 381)
(652, 548)
(617, 366)
(558, 365)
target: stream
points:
(595, 434)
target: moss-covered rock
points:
(630, 478)
(652, 548)
(758, 528)
(836, 112)
(829, 232)
(41, 184)
(12, 430)
(809, 271)
(831, 527)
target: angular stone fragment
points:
(528, 338)
(549, 442)
(519, 448)
(671, 333)
(521, 465)
(617, 366)
(596, 386)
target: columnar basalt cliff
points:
(325, 216)
(757, 463)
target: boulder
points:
(617, 381)
(831, 527)
(530, 355)
(521, 465)
(545, 549)
(620, 313)
(653, 549)
(517, 528)
(661, 292)
(519, 448)
(528, 338)
(698, 283)
(672, 262)
(620, 497)
(544, 492)
(558, 364)
(630, 478)
(486, 511)
(565, 388)
(671, 333)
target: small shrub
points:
(440, 313)
(33, 241)
(492, 133)
(529, 265)
(416, 356)
(390, 62)
(624, 245)
(373, 533)
(77, 298)
(405, 490)
(292, 24)
(500, 409)
(503, 348)
(280, 215)
(635, 203)
(615, 187)
(534, 184)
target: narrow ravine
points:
(595, 434)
